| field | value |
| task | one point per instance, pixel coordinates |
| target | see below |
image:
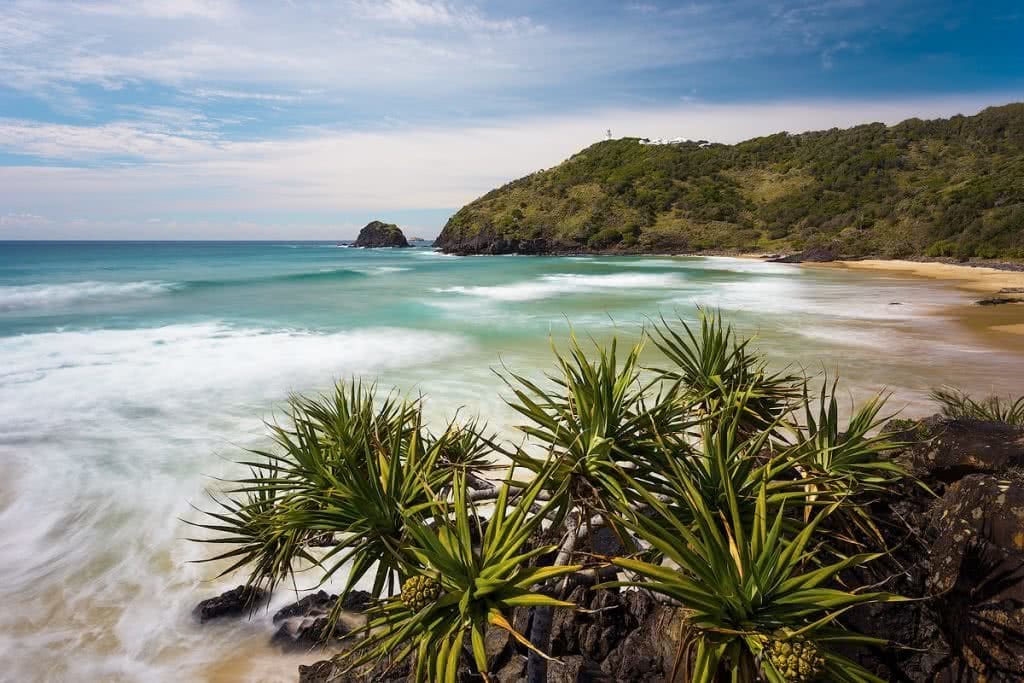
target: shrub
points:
(718, 475)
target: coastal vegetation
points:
(940, 188)
(735, 495)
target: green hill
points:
(948, 187)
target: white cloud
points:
(328, 171)
(162, 9)
(434, 13)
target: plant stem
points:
(540, 627)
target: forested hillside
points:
(948, 187)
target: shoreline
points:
(985, 279)
(1001, 326)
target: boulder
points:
(961, 556)
(306, 624)
(236, 602)
(377, 234)
(997, 300)
(812, 255)
(949, 449)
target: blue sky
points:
(217, 119)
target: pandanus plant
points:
(347, 465)
(454, 589)
(758, 601)
(722, 478)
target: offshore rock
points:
(377, 234)
(233, 603)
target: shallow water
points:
(133, 372)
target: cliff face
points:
(948, 187)
(377, 234)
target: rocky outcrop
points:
(487, 242)
(307, 624)
(236, 602)
(812, 255)
(956, 541)
(947, 450)
(377, 234)
(961, 555)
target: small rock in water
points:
(232, 603)
(997, 300)
(303, 624)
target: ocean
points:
(132, 374)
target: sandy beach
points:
(1001, 325)
(975, 279)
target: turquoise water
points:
(132, 373)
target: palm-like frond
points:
(854, 454)
(599, 414)
(713, 362)
(479, 586)
(344, 465)
(467, 446)
(727, 464)
(251, 524)
(745, 583)
(957, 404)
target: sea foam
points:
(568, 283)
(27, 297)
(104, 436)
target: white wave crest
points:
(381, 270)
(27, 297)
(568, 283)
(104, 436)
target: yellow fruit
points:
(419, 592)
(796, 658)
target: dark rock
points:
(812, 255)
(962, 559)
(308, 632)
(997, 300)
(305, 624)
(377, 234)
(319, 601)
(951, 449)
(513, 672)
(978, 508)
(334, 671)
(1011, 290)
(356, 601)
(232, 603)
(623, 636)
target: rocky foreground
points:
(957, 541)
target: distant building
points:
(674, 141)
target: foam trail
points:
(104, 436)
(26, 297)
(568, 283)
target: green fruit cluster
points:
(797, 659)
(420, 591)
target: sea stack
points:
(378, 234)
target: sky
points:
(284, 119)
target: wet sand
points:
(1001, 325)
(975, 279)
